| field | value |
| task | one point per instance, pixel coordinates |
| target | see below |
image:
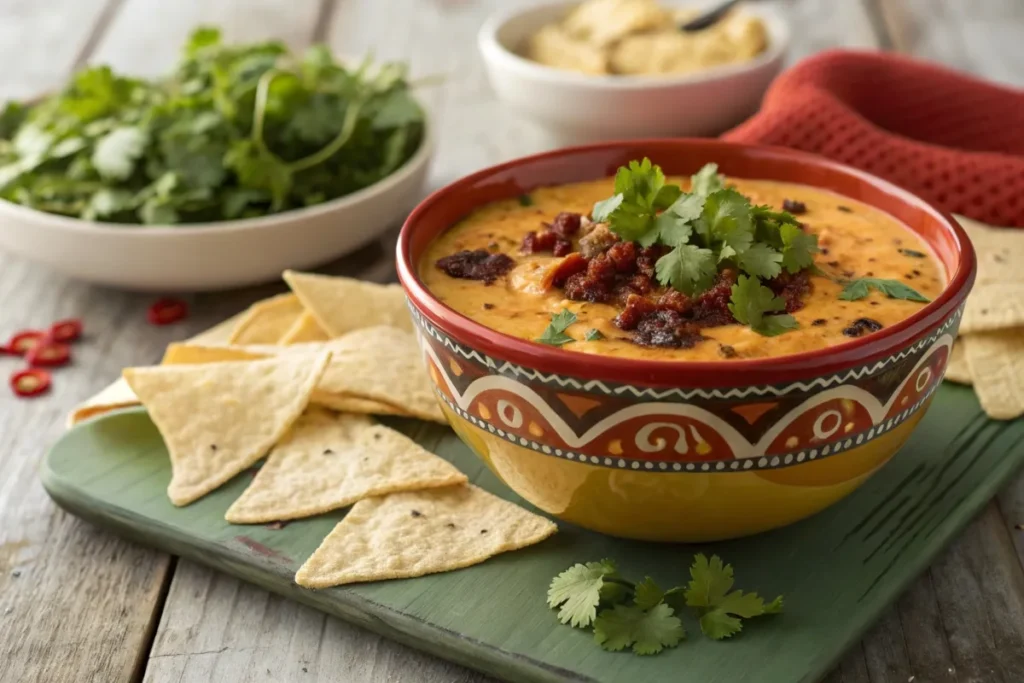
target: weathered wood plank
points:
(980, 36)
(40, 42)
(76, 603)
(216, 628)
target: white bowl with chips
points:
(214, 256)
(581, 107)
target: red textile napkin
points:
(952, 139)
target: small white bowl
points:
(581, 107)
(221, 255)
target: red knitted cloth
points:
(952, 139)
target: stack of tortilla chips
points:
(990, 351)
(295, 379)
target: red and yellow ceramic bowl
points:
(683, 451)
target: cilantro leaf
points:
(799, 248)
(554, 333)
(116, 152)
(727, 215)
(894, 289)
(604, 208)
(674, 225)
(648, 594)
(760, 260)
(593, 334)
(640, 191)
(687, 268)
(719, 610)
(751, 302)
(648, 631)
(578, 591)
(706, 180)
(774, 325)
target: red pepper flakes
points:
(66, 330)
(167, 311)
(49, 354)
(29, 383)
(23, 342)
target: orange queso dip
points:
(521, 295)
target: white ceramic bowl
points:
(582, 107)
(211, 256)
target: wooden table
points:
(78, 604)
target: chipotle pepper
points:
(167, 311)
(22, 342)
(48, 353)
(29, 383)
(66, 330)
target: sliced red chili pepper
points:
(29, 383)
(167, 311)
(22, 342)
(48, 353)
(66, 330)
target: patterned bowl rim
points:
(577, 163)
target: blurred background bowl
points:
(220, 255)
(580, 107)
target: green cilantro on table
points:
(642, 616)
(235, 131)
(894, 289)
(709, 229)
(554, 334)
(720, 611)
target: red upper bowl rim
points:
(534, 355)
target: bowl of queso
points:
(683, 340)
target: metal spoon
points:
(709, 18)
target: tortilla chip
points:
(217, 419)
(381, 364)
(341, 304)
(362, 406)
(996, 362)
(119, 395)
(994, 306)
(219, 333)
(957, 369)
(329, 461)
(192, 354)
(409, 534)
(116, 396)
(305, 329)
(265, 322)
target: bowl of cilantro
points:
(245, 161)
(683, 339)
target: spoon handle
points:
(709, 18)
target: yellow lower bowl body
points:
(680, 506)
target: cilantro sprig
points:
(894, 289)
(235, 132)
(708, 229)
(643, 617)
(554, 334)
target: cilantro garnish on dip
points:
(236, 131)
(712, 229)
(647, 266)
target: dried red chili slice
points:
(29, 383)
(167, 311)
(22, 342)
(66, 330)
(49, 354)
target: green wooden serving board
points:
(837, 570)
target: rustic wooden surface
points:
(77, 604)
